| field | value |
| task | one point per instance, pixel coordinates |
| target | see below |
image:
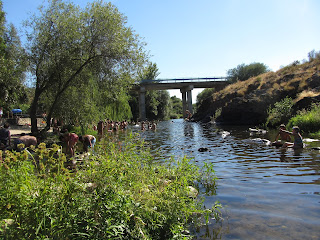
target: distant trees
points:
(13, 65)
(176, 107)
(243, 72)
(204, 96)
(90, 50)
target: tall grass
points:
(119, 193)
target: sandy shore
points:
(16, 130)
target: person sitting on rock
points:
(284, 136)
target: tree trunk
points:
(33, 113)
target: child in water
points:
(297, 143)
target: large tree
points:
(12, 65)
(67, 44)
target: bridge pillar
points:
(184, 103)
(186, 100)
(189, 97)
(142, 104)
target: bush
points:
(308, 121)
(280, 113)
(120, 193)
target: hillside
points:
(247, 102)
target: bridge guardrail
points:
(180, 80)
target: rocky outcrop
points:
(247, 102)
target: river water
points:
(266, 192)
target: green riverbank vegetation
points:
(119, 192)
(308, 119)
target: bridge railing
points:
(180, 80)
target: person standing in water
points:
(298, 141)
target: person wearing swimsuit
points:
(298, 141)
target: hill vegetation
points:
(250, 101)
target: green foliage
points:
(307, 120)
(243, 72)
(176, 107)
(12, 66)
(204, 96)
(82, 130)
(120, 193)
(72, 47)
(217, 114)
(280, 113)
(157, 105)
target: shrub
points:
(280, 113)
(119, 193)
(308, 121)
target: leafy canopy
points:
(69, 45)
(243, 72)
(12, 66)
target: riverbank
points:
(119, 191)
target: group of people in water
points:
(283, 138)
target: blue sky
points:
(205, 38)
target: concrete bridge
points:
(186, 85)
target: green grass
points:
(307, 120)
(119, 193)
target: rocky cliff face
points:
(247, 102)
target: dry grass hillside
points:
(247, 102)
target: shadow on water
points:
(267, 192)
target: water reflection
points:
(268, 193)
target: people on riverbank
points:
(5, 137)
(88, 141)
(71, 140)
(298, 141)
(100, 128)
(26, 140)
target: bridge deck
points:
(179, 83)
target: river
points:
(266, 192)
